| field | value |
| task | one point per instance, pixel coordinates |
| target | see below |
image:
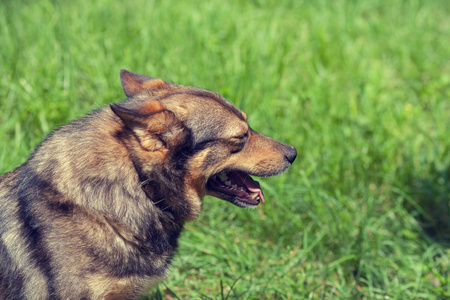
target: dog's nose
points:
(291, 154)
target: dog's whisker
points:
(147, 181)
(158, 201)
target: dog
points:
(96, 210)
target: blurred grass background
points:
(361, 88)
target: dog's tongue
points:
(252, 185)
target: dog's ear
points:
(154, 125)
(134, 84)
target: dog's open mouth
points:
(236, 187)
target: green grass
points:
(361, 88)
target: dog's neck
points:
(149, 186)
(165, 195)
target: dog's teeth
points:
(228, 182)
(254, 195)
(223, 176)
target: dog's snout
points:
(291, 154)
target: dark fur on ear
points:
(134, 84)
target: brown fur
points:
(96, 211)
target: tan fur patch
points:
(154, 84)
(103, 286)
(151, 107)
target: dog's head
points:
(204, 139)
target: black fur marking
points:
(28, 194)
(60, 208)
(7, 272)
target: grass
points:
(361, 88)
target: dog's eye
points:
(242, 138)
(240, 142)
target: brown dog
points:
(96, 211)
